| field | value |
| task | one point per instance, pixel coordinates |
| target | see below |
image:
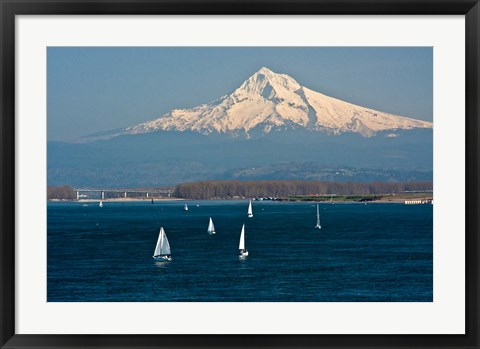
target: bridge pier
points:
(125, 195)
(78, 195)
(103, 195)
(147, 195)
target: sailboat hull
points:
(165, 258)
(243, 253)
(212, 232)
(250, 215)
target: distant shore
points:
(377, 201)
(117, 200)
(281, 190)
(382, 200)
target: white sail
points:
(241, 245)
(185, 208)
(318, 219)
(158, 247)
(211, 227)
(163, 247)
(100, 204)
(250, 211)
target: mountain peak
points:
(265, 71)
(267, 84)
(267, 101)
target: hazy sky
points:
(95, 89)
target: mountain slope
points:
(270, 101)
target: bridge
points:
(125, 192)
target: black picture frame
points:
(10, 8)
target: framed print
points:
(234, 174)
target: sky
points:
(94, 89)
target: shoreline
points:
(116, 200)
(379, 201)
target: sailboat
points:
(318, 219)
(241, 245)
(162, 250)
(211, 227)
(185, 208)
(100, 204)
(250, 212)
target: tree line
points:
(64, 192)
(276, 189)
(283, 189)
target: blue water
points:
(363, 253)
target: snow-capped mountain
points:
(270, 101)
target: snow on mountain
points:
(268, 101)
